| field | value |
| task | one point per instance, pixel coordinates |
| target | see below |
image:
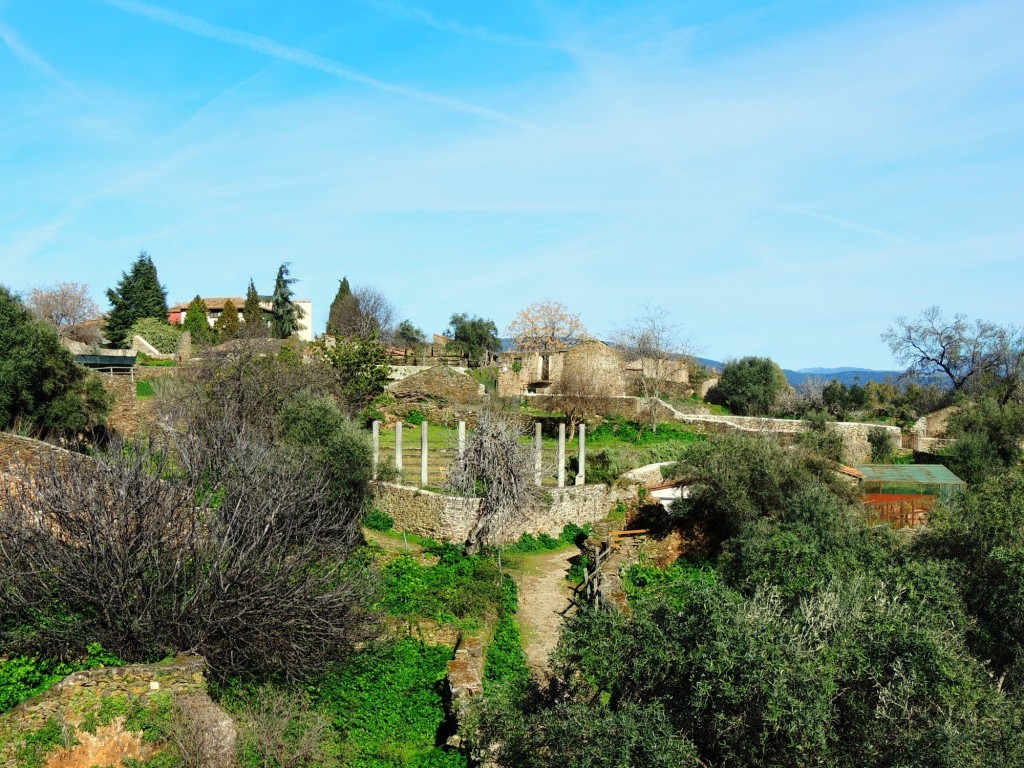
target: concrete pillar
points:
(561, 454)
(581, 475)
(424, 465)
(398, 446)
(538, 452)
(462, 438)
(376, 444)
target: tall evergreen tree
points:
(138, 294)
(227, 324)
(284, 312)
(253, 323)
(344, 309)
(196, 322)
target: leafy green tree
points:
(986, 438)
(736, 479)
(254, 324)
(981, 533)
(360, 366)
(227, 324)
(196, 322)
(138, 294)
(978, 356)
(159, 333)
(315, 422)
(473, 337)
(836, 399)
(408, 335)
(41, 387)
(284, 312)
(834, 679)
(883, 448)
(748, 386)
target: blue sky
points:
(785, 177)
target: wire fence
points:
(399, 449)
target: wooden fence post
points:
(561, 454)
(398, 448)
(581, 474)
(538, 452)
(376, 445)
(424, 465)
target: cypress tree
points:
(227, 324)
(253, 322)
(138, 294)
(338, 307)
(284, 314)
(196, 322)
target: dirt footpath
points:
(543, 595)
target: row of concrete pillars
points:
(538, 451)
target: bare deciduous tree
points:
(583, 382)
(656, 345)
(496, 467)
(546, 325)
(363, 313)
(63, 305)
(969, 354)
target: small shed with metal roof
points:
(902, 494)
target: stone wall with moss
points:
(76, 705)
(450, 518)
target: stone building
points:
(610, 374)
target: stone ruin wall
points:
(81, 691)
(449, 518)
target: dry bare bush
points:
(497, 468)
(248, 567)
(284, 731)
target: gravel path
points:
(543, 595)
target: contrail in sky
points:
(268, 47)
(844, 223)
(27, 56)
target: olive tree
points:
(969, 354)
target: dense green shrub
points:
(748, 386)
(42, 389)
(387, 702)
(506, 661)
(883, 448)
(529, 544)
(159, 333)
(735, 479)
(22, 677)
(456, 588)
(376, 520)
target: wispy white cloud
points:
(32, 59)
(845, 224)
(422, 16)
(309, 60)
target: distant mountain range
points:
(847, 376)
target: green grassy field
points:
(615, 447)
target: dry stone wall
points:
(450, 518)
(82, 692)
(23, 454)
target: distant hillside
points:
(848, 376)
